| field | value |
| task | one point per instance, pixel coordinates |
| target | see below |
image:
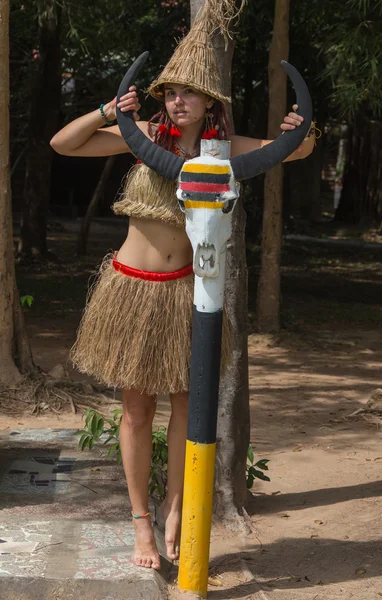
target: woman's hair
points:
(160, 125)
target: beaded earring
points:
(210, 132)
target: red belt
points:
(148, 275)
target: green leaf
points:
(250, 453)
(26, 300)
(260, 475)
(79, 432)
(82, 439)
(262, 464)
(112, 450)
(100, 426)
(109, 439)
(91, 443)
(94, 423)
(86, 442)
(117, 414)
(250, 481)
(89, 415)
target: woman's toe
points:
(171, 550)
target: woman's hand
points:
(127, 102)
(291, 121)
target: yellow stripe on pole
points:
(201, 168)
(196, 517)
(200, 204)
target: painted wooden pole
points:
(204, 389)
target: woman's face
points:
(185, 105)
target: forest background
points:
(67, 58)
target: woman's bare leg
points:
(171, 508)
(136, 449)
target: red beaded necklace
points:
(180, 152)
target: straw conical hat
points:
(194, 61)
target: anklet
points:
(140, 516)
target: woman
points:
(156, 246)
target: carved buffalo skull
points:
(207, 193)
(208, 187)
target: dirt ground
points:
(317, 525)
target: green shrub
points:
(255, 470)
(96, 426)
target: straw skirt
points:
(135, 332)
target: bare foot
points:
(172, 518)
(145, 550)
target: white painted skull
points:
(207, 193)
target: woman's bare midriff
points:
(155, 246)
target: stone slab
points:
(47, 589)
(65, 529)
(57, 437)
(71, 551)
(41, 474)
(42, 435)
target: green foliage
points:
(353, 52)
(99, 40)
(255, 470)
(26, 300)
(159, 459)
(96, 426)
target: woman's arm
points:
(241, 144)
(85, 137)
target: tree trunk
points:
(11, 322)
(268, 297)
(233, 418)
(361, 198)
(93, 205)
(21, 347)
(43, 124)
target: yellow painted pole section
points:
(196, 517)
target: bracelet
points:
(140, 516)
(104, 116)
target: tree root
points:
(42, 393)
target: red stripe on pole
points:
(204, 187)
